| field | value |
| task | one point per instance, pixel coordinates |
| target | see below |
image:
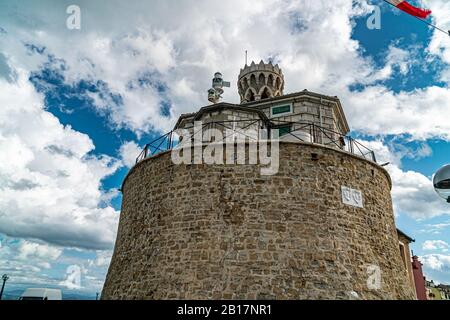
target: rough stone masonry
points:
(226, 232)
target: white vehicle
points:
(41, 294)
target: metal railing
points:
(298, 131)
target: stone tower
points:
(260, 81)
(322, 227)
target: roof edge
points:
(405, 235)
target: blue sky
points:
(77, 105)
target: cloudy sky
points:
(76, 105)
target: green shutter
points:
(281, 109)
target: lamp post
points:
(4, 278)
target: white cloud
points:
(423, 151)
(382, 152)
(396, 59)
(45, 265)
(182, 48)
(412, 192)
(50, 183)
(435, 245)
(129, 151)
(400, 58)
(438, 262)
(30, 263)
(102, 259)
(418, 113)
(29, 249)
(436, 228)
(436, 265)
(439, 44)
(24, 261)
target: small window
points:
(284, 130)
(281, 110)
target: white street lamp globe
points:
(441, 182)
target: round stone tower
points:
(322, 227)
(260, 81)
(226, 232)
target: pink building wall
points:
(419, 279)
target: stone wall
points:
(406, 258)
(306, 111)
(225, 232)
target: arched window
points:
(245, 84)
(262, 79)
(250, 95)
(253, 80)
(266, 94)
(270, 81)
(278, 83)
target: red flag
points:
(408, 8)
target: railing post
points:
(351, 144)
(310, 134)
(146, 151)
(314, 132)
(169, 147)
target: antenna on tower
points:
(245, 57)
(215, 93)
